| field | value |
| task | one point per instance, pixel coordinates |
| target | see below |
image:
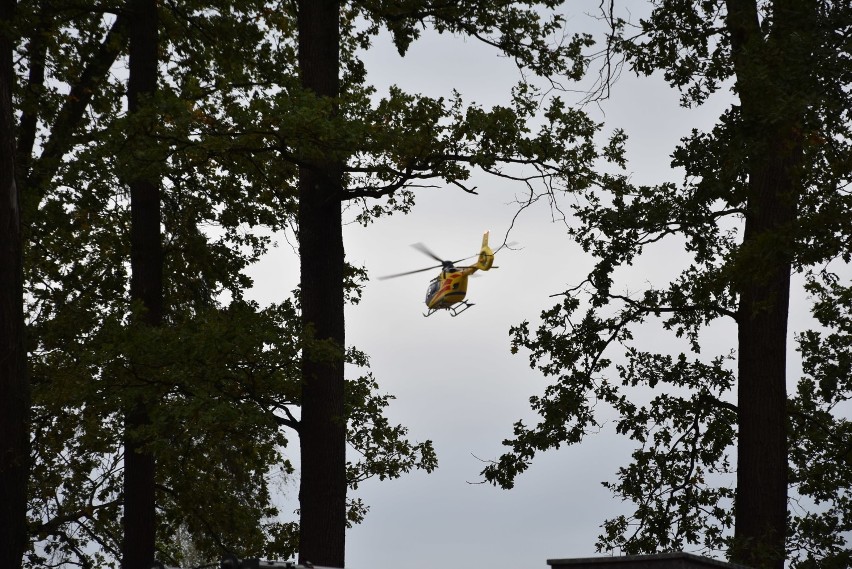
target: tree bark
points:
(761, 495)
(322, 430)
(14, 384)
(146, 287)
(768, 70)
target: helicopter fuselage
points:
(448, 288)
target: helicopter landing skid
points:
(453, 310)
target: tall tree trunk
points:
(768, 69)
(322, 432)
(146, 287)
(14, 385)
(761, 496)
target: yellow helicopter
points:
(448, 289)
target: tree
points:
(760, 200)
(322, 428)
(14, 383)
(146, 290)
(87, 361)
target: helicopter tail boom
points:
(486, 255)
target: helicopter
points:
(447, 291)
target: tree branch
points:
(71, 114)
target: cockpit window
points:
(433, 288)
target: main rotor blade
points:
(409, 272)
(428, 252)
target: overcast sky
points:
(455, 380)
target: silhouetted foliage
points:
(763, 197)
